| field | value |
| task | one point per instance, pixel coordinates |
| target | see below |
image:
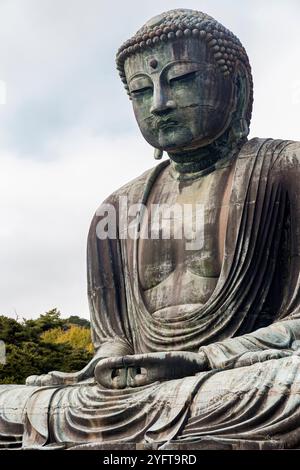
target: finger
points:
(31, 380)
(39, 380)
(103, 376)
(138, 376)
(61, 378)
(118, 378)
(141, 380)
(47, 380)
(133, 373)
(110, 377)
(132, 361)
(111, 362)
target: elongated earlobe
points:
(158, 153)
(240, 128)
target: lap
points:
(253, 403)
(13, 399)
(271, 377)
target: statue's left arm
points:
(282, 336)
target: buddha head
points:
(189, 80)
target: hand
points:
(64, 378)
(144, 369)
(54, 378)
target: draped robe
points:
(238, 403)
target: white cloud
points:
(68, 135)
(45, 215)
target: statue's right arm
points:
(110, 349)
(65, 378)
(108, 311)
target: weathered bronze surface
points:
(197, 346)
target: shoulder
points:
(285, 166)
(281, 156)
(288, 158)
(133, 190)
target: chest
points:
(184, 227)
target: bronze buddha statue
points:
(197, 346)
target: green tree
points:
(76, 336)
(11, 331)
(75, 320)
(68, 347)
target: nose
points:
(162, 104)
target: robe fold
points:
(246, 400)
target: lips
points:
(166, 124)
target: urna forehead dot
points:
(153, 63)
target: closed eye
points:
(141, 90)
(182, 78)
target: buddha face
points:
(181, 98)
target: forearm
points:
(116, 347)
(109, 349)
(284, 335)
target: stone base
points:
(203, 444)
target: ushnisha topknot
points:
(183, 23)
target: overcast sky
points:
(68, 136)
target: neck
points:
(199, 162)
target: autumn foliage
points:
(35, 347)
